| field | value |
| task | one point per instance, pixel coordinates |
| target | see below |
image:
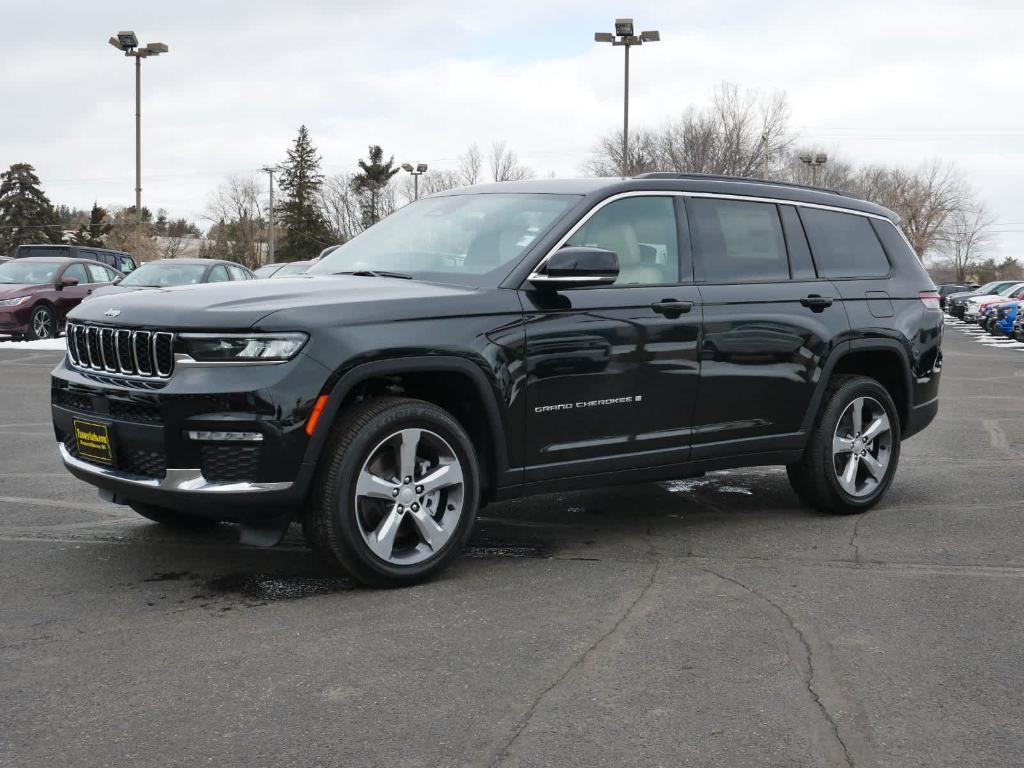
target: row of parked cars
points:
(994, 306)
(40, 284)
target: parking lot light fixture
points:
(415, 171)
(815, 160)
(624, 36)
(128, 43)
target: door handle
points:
(671, 308)
(816, 303)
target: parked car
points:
(977, 303)
(119, 260)
(1000, 318)
(284, 269)
(956, 303)
(166, 273)
(949, 288)
(291, 268)
(37, 293)
(1018, 326)
(382, 403)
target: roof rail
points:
(745, 179)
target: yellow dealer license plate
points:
(93, 441)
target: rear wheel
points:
(854, 450)
(396, 494)
(172, 518)
(42, 323)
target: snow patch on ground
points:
(46, 345)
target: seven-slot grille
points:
(126, 351)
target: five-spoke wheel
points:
(861, 446)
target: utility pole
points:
(624, 36)
(764, 155)
(269, 170)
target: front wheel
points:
(42, 323)
(853, 451)
(396, 493)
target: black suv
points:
(512, 339)
(119, 260)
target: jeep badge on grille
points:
(112, 313)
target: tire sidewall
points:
(343, 531)
(844, 395)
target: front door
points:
(769, 325)
(612, 372)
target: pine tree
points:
(93, 233)
(300, 214)
(375, 177)
(26, 214)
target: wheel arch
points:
(884, 360)
(456, 384)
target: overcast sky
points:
(892, 82)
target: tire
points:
(823, 479)
(173, 519)
(350, 528)
(42, 324)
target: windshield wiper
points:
(375, 273)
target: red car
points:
(36, 293)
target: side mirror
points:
(577, 267)
(67, 282)
(117, 280)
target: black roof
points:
(685, 182)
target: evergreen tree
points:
(26, 214)
(370, 183)
(300, 214)
(93, 233)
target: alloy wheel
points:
(42, 324)
(862, 447)
(409, 496)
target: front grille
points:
(124, 351)
(151, 464)
(229, 462)
(134, 411)
(71, 400)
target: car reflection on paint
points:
(752, 344)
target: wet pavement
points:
(708, 621)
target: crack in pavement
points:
(505, 750)
(807, 669)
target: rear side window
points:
(237, 273)
(218, 275)
(98, 273)
(844, 244)
(736, 241)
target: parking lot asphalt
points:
(699, 622)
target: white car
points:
(973, 310)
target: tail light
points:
(930, 299)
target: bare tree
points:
(470, 163)
(341, 207)
(606, 159)
(237, 214)
(967, 235)
(431, 182)
(505, 164)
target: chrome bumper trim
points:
(191, 480)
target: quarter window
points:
(844, 244)
(737, 241)
(642, 232)
(218, 274)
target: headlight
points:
(242, 348)
(14, 302)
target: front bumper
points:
(157, 462)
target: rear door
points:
(769, 324)
(612, 371)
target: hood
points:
(241, 305)
(110, 290)
(13, 290)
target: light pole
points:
(416, 172)
(624, 36)
(129, 44)
(815, 160)
(270, 171)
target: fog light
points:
(225, 437)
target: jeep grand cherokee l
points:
(512, 339)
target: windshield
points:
(473, 239)
(30, 271)
(163, 275)
(267, 270)
(291, 269)
(1006, 290)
